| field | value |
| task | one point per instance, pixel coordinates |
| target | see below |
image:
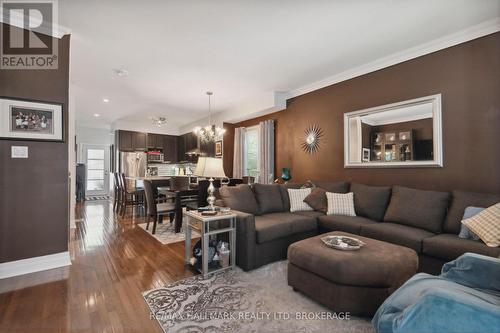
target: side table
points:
(211, 226)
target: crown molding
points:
(36, 264)
(474, 32)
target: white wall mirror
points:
(403, 134)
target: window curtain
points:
(239, 153)
(266, 152)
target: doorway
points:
(96, 159)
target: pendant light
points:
(210, 132)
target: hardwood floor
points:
(113, 262)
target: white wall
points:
(95, 136)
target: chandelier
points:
(159, 121)
(210, 132)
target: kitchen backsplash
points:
(165, 170)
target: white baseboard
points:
(36, 264)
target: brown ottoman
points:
(349, 281)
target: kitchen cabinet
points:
(170, 145)
(131, 141)
(154, 141)
(139, 141)
(207, 149)
(125, 141)
(181, 148)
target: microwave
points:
(154, 157)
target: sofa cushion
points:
(268, 197)
(278, 225)
(310, 213)
(297, 197)
(284, 194)
(334, 187)
(371, 201)
(465, 232)
(417, 208)
(240, 197)
(460, 201)
(450, 247)
(486, 225)
(397, 234)
(350, 224)
(317, 199)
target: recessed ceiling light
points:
(97, 115)
(120, 72)
(105, 100)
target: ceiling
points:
(400, 114)
(174, 51)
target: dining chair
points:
(155, 209)
(130, 197)
(182, 183)
(248, 179)
(116, 192)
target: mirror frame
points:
(436, 130)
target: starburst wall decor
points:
(312, 139)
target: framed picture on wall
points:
(366, 155)
(31, 120)
(218, 148)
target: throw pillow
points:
(465, 232)
(240, 197)
(340, 204)
(297, 199)
(486, 225)
(317, 200)
(308, 184)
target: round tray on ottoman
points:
(349, 281)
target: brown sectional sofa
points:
(425, 221)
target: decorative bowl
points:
(343, 243)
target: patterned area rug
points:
(236, 301)
(165, 232)
(97, 197)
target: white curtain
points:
(266, 152)
(239, 153)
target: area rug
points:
(237, 301)
(97, 198)
(165, 232)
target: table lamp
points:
(210, 167)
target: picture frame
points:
(218, 148)
(31, 120)
(366, 155)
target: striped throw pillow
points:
(340, 204)
(297, 197)
(486, 224)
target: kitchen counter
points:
(155, 177)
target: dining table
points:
(178, 195)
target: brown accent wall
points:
(467, 76)
(34, 196)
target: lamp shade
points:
(209, 167)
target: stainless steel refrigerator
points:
(133, 164)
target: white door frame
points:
(106, 148)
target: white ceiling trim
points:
(280, 98)
(401, 119)
(477, 31)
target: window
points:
(252, 151)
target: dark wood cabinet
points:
(131, 141)
(181, 148)
(125, 141)
(170, 145)
(155, 141)
(207, 149)
(139, 141)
